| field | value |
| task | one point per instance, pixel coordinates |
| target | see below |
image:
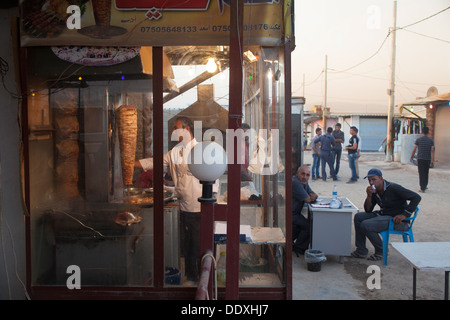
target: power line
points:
(373, 55)
(424, 35)
(390, 32)
(317, 78)
(433, 15)
(312, 82)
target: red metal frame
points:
(158, 151)
(234, 170)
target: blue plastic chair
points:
(406, 233)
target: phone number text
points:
(213, 28)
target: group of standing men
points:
(327, 149)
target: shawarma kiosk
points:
(104, 81)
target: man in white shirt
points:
(188, 189)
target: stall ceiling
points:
(45, 64)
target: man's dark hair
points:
(186, 122)
(329, 129)
(426, 130)
(354, 129)
(318, 129)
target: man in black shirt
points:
(425, 157)
(394, 201)
(352, 149)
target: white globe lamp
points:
(208, 162)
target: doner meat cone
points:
(127, 141)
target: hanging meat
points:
(127, 123)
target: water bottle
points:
(335, 203)
(335, 192)
(221, 268)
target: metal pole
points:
(390, 121)
(324, 116)
(446, 285)
(234, 169)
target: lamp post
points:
(208, 162)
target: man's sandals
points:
(373, 257)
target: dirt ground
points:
(345, 281)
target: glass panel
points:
(263, 183)
(88, 212)
(200, 94)
(263, 198)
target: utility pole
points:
(391, 91)
(324, 108)
(303, 85)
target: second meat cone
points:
(127, 141)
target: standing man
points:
(188, 189)
(301, 194)
(326, 144)
(394, 201)
(316, 154)
(336, 152)
(358, 155)
(352, 149)
(425, 157)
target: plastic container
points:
(253, 264)
(172, 276)
(314, 259)
(334, 194)
(221, 268)
(335, 203)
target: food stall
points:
(104, 82)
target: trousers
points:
(423, 166)
(190, 239)
(352, 164)
(325, 158)
(300, 233)
(315, 166)
(368, 225)
(336, 156)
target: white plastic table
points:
(426, 256)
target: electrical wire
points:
(373, 55)
(389, 33)
(4, 68)
(3, 222)
(424, 35)
(317, 78)
(15, 261)
(414, 23)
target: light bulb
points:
(211, 65)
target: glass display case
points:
(92, 207)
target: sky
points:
(348, 32)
